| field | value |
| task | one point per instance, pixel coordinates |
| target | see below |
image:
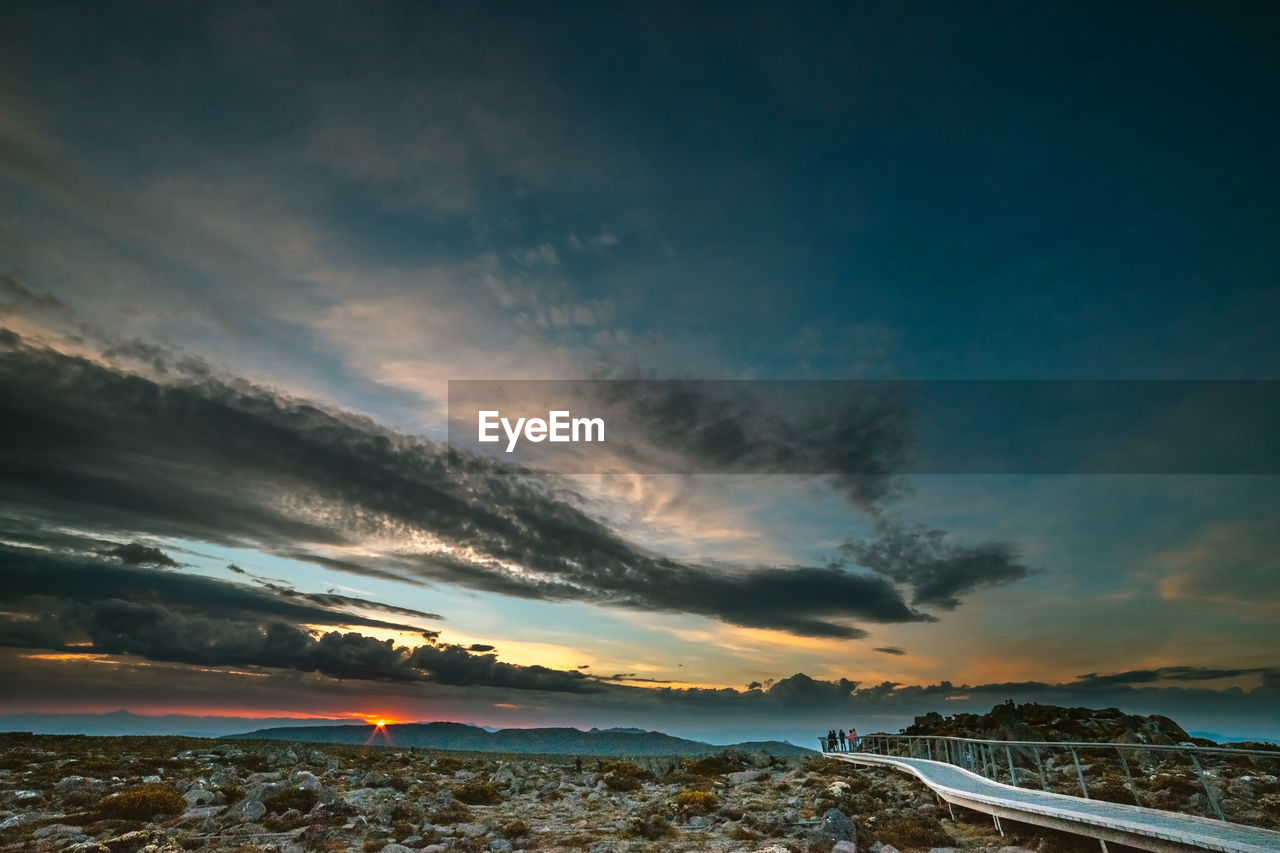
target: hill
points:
(1031, 721)
(543, 741)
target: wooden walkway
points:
(1146, 829)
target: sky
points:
(244, 248)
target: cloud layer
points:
(230, 462)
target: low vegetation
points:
(143, 802)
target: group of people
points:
(838, 741)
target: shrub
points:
(447, 764)
(478, 793)
(715, 765)
(514, 829)
(916, 831)
(142, 803)
(695, 802)
(452, 813)
(653, 828)
(301, 799)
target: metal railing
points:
(1216, 782)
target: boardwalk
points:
(1148, 829)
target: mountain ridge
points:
(560, 740)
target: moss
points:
(516, 828)
(301, 799)
(477, 793)
(452, 813)
(695, 802)
(715, 765)
(143, 802)
(653, 827)
(915, 831)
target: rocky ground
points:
(164, 795)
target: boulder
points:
(200, 797)
(836, 826)
(246, 811)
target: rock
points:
(844, 847)
(499, 844)
(152, 779)
(75, 783)
(61, 831)
(397, 848)
(202, 812)
(374, 779)
(365, 800)
(836, 826)
(246, 811)
(27, 798)
(1015, 850)
(200, 797)
(745, 776)
(504, 776)
(129, 842)
(18, 820)
(888, 848)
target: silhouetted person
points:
(853, 738)
(840, 738)
(831, 740)
(577, 764)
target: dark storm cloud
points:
(233, 463)
(938, 572)
(457, 666)
(55, 602)
(1169, 673)
(83, 580)
(854, 437)
(889, 650)
(135, 554)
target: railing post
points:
(1044, 783)
(1133, 789)
(1208, 790)
(1079, 773)
(1013, 777)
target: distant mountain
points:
(127, 723)
(548, 741)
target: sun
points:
(382, 724)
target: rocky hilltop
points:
(1010, 721)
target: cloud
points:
(226, 461)
(856, 442)
(134, 554)
(457, 666)
(938, 572)
(1171, 673)
(889, 650)
(54, 602)
(79, 579)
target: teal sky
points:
(244, 247)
